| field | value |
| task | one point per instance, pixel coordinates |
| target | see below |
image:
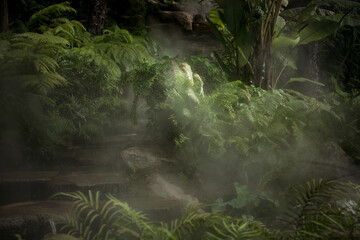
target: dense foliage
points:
(320, 210)
(61, 87)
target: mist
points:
(179, 120)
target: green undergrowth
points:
(261, 140)
(318, 210)
(236, 117)
(60, 87)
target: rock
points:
(31, 220)
(34, 186)
(32, 176)
(166, 7)
(161, 187)
(24, 186)
(184, 19)
(200, 25)
(199, 19)
(143, 158)
(106, 181)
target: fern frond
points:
(39, 38)
(130, 215)
(43, 83)
(46, 14)
(316, 212)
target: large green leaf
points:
(233, 13)
(340, 19)
(244, 54)
(280, 24)
(236, 15)
(305, 80)
(281, 42)
(341, 3)
(219, 34)
(317, 30)
(292, 12)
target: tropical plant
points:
(114, 219)
(246, 30)
(325, 210)
(252, 31)
(246, 199)
(58, 85)
(29, 71)
(347, 105)
(257, 125)
(211, 74)
(122, 47)
(318, 209)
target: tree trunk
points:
(4, 16)
(258, 64)
(308, 63)
(98, 16)
(268, 66)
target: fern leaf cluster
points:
(59, 62)
(325, 210)
(30, 61)
(320, 210)
(123, 48)
(114, 219)
(48, 14)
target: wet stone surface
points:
(114, 182)
(24, 186)
(30, 186)
(30, 219)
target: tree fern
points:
(125, 49)
(30, 62)
(48, 14)
(54, 20)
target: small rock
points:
(143, 158)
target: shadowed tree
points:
(308, 58)
(4, 16)
(98, 17)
